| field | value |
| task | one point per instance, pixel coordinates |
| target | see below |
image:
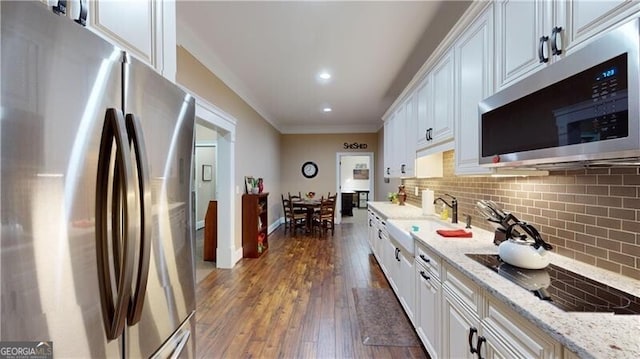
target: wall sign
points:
(354, 146)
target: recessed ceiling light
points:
(327, 109)
(324, 75)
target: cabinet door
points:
(424, 119)
(388, 144)
(589, 18)
(399, 144)
(443, 100)
(410, 124)
(519, 26)
(474, 82)
(428, 322)
(392, 265)
(456, 326)
(146, 29)
(406, 283)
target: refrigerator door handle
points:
(181, 344)
(136, 141)
(123, 229)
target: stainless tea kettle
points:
(520, 251)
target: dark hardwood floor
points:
(295, 301)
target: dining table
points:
(310, 205)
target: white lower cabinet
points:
(428, 321)
(456, 319)
(505, 330)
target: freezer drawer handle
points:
(136, 141)
(123, 223)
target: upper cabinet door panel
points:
(519, 26)
(474, 82)
(443, 100)
(130, 24)
(590, 18)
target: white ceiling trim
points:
(190, 41)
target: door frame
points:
(339, 156)
(225, 125)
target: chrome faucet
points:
(453, 206)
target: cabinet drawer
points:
(504, 325)
(462, 288)
(428, 259)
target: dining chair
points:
(296, 198)
(324, 219)
(295, 218)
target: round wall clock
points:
(309, 169)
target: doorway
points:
(354, 183)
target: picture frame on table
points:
(248, 184)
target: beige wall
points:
(257, 143)
(589, 215)
(321, 149)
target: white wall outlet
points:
(417, 193)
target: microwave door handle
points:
(114, 313)
(543, 41)
(136, 141)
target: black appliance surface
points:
(565, 289)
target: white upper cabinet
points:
(435, 105)
(522, 32)
(590, 18)
(443, 99)
(531, 34)
(473, 82)
(145, 29)
(388, 145)
(400, 154)
(408, 161)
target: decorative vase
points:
(260, 185)
(402, 195)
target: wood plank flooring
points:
(295, 301)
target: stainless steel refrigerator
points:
(96, 149)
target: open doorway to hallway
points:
(355, 184)
(205, 190)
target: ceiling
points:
(270, 54)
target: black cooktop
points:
(566, 290)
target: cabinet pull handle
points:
(388, 171)
(370, 225)
(481, 340)
(472, 332)
(426, 135)
(554, 40)
(402, 168)
(379, 233)
(82, 13)
(424, 275)
(543, 40)
(424, 258)
(430, 134)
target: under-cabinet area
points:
(453, 300)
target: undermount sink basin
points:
(400, 229)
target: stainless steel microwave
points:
(582, 109)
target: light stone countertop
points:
(589, 335)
